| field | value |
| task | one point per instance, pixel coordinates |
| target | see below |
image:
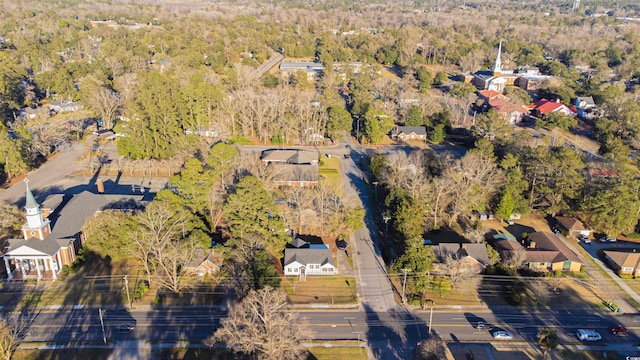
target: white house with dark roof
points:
(302, 259)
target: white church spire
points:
(497, 66)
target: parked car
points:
(510, 222)
(125, 327)
(347, 156)
(502, 335)
(608, 239)
(585, 239)
(481, 326)
(588, 335)
(341, 244)
(618, 330)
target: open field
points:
(335, 290)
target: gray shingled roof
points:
(290, 156)
(418, 130)
(308, 256)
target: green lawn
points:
(330, 172)
(335, 290)
(338, 353)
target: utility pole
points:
(104, 337)
(404, 284)
(126, 287)
(430, 318)
(386, 223)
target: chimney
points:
(100, 186)
(532, 245)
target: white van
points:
(588, 335)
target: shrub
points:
(517, 293)
(499, 269)
(140, 289)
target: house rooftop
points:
(623, 258)
(570, 223)
(307, 256)
(552, 243)
(418, 130)
(292, 156)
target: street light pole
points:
(430, 319)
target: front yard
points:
(321, 290)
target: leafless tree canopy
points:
(12, 331)
(258, 327)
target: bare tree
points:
(46, 138)
(541, 291)
(517, 258)
(453, 267)
(12, 331)
(257, 327)
(104, 101)
(11, 219)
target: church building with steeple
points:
(37, 255)
(496, 78)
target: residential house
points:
(293, 167)
(545, 107)
(506, 245)
(546, 251)
(473, 257)
(624, 262)
(574, 226)
(204, 263)
(585, 106)
(511, 112)
(62, 106)
(37, 113)
(404, 133)
(302, 259)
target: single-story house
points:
(624, 262)
(61, 106)
(574, 226)
(293, 156)
(474, 257)
(506, 244)
(404, 133)
(302, 258)
(204, 264)
(293, 167)
(546, 251)
(312, 69)
(584, 106)
(37, 113)
(545, 107)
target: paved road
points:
(195, 325)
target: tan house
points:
(624, 262)
(404, 133)
(547, 252)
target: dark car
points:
(618, 330)
(481, 326)
(341, 244)
(347, 156)
(125, 327)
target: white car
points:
(588, 335)
(608, 239)
(502, 335)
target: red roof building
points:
(545, 107)
(502, 104)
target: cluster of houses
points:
(54, 107)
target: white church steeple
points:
(37, 226)
(497, 66)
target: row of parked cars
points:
(582, 334)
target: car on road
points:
(481, 326)
(347, 156)
(608, 239)
(618, 330)
(502, 335)
(341, 244)
(588, 335)
(124, 327)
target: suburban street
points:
(170, 326)
(389, 329)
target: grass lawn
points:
(330, 171)
(331, 353)
(335, 290)
(585, 355)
